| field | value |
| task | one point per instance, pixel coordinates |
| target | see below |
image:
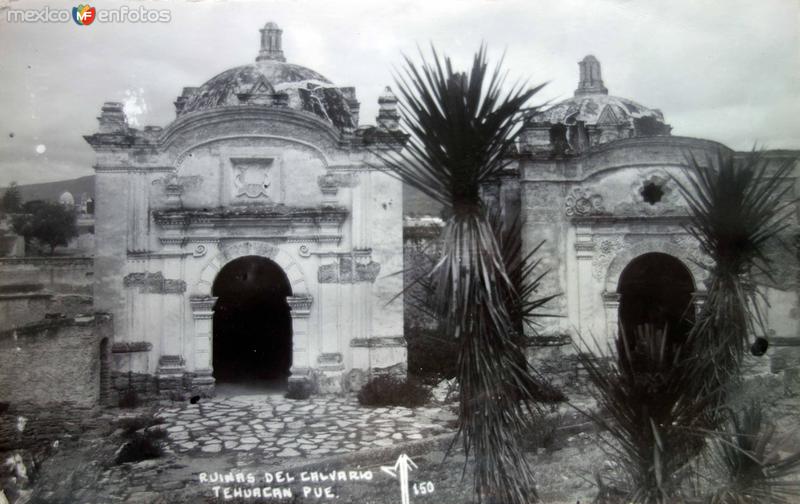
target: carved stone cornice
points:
(133, 169)
(278, 216)
(202, 306)
(277, 238)
(300, 306)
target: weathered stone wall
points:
(168, 219)
(65, 275)
(56, 360)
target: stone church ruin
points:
(256, 238)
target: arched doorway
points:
(252, 324)
(656, 289)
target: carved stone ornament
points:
(582, 203)
(300, 306)
(330, 183)
(252, 179)
(238, 249)
(174, 185)
(349, 269)
(604, 254)
(154, 283)
(131, 346)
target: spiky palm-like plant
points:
(525, 301)
(650, 414)
(746, 471)
(461, 127)
(738, 207)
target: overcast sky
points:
(727, 70)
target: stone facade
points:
(263, 160)
(598, 185)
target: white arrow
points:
(403, 465)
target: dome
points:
(66, 199)
(597, 109)
(593, 106)
(273, 82)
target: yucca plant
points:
(648, 412)
(743, 468)
(461, 127)
(737, 208)
(524, 301)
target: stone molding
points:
(378, 342)
(234, 250)
(300, 306)
(122, 347)
(154, 283)
(330, 183)
(202, 306)
(279, 216)
(247, 114)
(330, 361)
(244, 247)
(683, 248)
(348, 269)
(181, 241)
(174, 186)
(133, 169)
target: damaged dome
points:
(596, 109)
(273, 82)
(592, 105)
(590, 118)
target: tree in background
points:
(47, 223)
(12, 199)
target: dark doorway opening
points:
(252, 322)
(656, 289)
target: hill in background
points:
(414, 202)
(50, 191)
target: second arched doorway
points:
(252, 326)
(656, 290)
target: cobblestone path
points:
(272, 426)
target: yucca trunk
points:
(461, 128)
(470, 282)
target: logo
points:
(83, 14)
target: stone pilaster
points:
(203, 315)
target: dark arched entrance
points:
(252, 322)
(656, 289)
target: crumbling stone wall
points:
(56, 360)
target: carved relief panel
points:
(255, 180)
